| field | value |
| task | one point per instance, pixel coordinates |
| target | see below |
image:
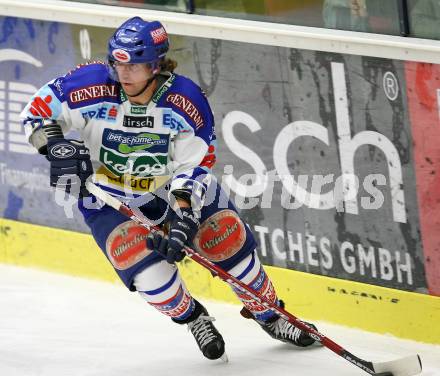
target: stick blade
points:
(407, 366)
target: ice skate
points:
(282, 330)
(208, 338)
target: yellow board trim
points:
(52, 249)
(312, 297)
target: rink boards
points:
(344, 146)
(377, 309)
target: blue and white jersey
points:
(134, 149)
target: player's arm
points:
(46, 115)
(46, 118)
(194, 151)
(193, 156)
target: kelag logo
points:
(139, 166)
(137, 154)
(13, 98)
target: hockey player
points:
(147, 131)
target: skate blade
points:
(224, 358)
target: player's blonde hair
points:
(168, 65)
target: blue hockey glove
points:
(70, 165)
(158, 242)
(182, 232)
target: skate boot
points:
(208, 338)
(282, 330)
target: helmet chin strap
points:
(149, 81)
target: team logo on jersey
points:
(40, 107)
(123, 96)
(138, 121)
(138, 110)
(139, 166)
(209, 160)
(184, 104)
(142, 141)
(159, 35)
(220, 236)
(126, 245)
(127, 143)
(128, 183)
(163, 89)
(175, 122)
(101, 112)
(112, 113)
(138, 154)
(121, 55)
(93, 92)
(58, 84)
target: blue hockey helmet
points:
(139, 41)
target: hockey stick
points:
(407, 366)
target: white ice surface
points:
(55, 325)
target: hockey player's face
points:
(133, 77)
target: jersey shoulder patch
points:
(89, 84)
(187, 99)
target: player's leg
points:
(141, 269)
(226, 240)
(252, 273)
(161, 286)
